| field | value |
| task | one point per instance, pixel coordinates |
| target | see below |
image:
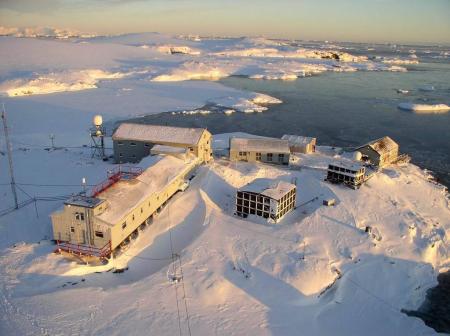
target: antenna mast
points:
(8, 148)
(97, 137)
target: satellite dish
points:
(98, 120)
(357, 156)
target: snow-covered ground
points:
(241, 277)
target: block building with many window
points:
(266, 198)
(268, 150)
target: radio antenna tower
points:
(8, 148)
(97, 137)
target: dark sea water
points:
(346, 109)
(435, 311)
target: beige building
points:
(266, 198)
(380, 152)
(300, 144)
(98, 224)
(132, 142)
(268, 150)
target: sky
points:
(404, 21)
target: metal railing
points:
(115, 175)
(85, 250)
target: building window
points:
(79, 216)
(120, 154)
(132, 217)
(258, 156)
(120, 143)
(72, 229)
(124, 225)
(269, 156)
(147, 145)
(142, 210)
(281, 157)
(99, 234)
(132, 144)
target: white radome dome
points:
(357, 156)
(98, 120)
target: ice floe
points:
(424, 108)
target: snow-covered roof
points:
(125, 195)
(269, 188)
(298, 140)
(167, 149)
(381, 145)
(84, 201)
(263, 145)
(348, 164)
(158, 134)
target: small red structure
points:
(115, 175)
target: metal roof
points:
(263, 145)
(298, 140)
(158, 134)
(381, 145)
(270, 188)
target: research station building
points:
(266, 198)
(268, 150)
(349, 173)
(132, 142)
(300, 144)
(129, 198)
(380, 152)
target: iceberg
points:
(424, 108)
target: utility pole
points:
(8, 148)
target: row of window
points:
(243, 211)
(124, 224)
(269, 156)
(254, 205)
(133, 144)
(98, 234)
(345, 170)
(132, 155)
(343, 178)
(287, 203)
(253, 197)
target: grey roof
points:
(381, 145)
(263, 145)
(298, 140)
(84, 201)
(158, 134)
(269, 188)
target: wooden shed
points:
(379, 152)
